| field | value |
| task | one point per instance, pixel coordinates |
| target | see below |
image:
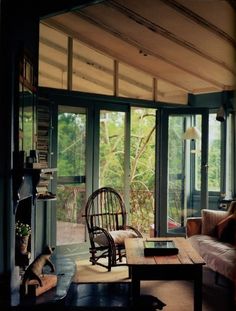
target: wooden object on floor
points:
(49, 281)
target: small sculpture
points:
(35, 269)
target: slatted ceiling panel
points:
(131, 55)
(92, 56)
(51, 76)
(175, 53)
(176, 99)
(83, 69)
(53, 35)
(53, 54)
(84, 84)
(188, 33)
(180, 27)
(53, 58)
(136, 82)
(92, 70)
(185, 59)
(219, 13)
(189, 45)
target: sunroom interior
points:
(135, 87)
(104, 93)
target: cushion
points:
(222, 225)
(118, 236)
(218, 256)
(226, 230)
(210, 218)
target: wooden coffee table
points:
(186, 265)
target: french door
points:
(181, 168)
(103, 145)
(71, 178)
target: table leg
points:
(135, 285)
(198, 290)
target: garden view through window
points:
(112, 171)
(115, 146)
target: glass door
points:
(125, 159)
(112, 149)
(71, 165)
(182, 178)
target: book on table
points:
(160, 248)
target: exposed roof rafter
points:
(200, 20)
(91, 63)
(167, 34)
(147, 51)
(97, 46)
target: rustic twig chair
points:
(106, 223)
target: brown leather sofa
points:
(219, 255)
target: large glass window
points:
(71, 175)
(142, 168)
(176, 177)
(214, 154)
(230, 155)
(111, 149)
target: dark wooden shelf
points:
(25, 183)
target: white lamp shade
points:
(192, 133)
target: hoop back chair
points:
(106, 224)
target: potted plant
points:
(23, 232)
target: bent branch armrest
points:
(135, 230)
(193, 226)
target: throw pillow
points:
(226, 230)
(210, 218)
(118, 236)
(222, 225)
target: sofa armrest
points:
(193, 226)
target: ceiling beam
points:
(88, 62)
(52, 8)
(91, 80)
(200, 20)
(147, 51)
(97, 46)
(155, 28)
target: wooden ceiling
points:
(184, 46)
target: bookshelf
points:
(43, 133)
(44, 183)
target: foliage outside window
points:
(214, 157)
(111, 149)
(71, 163)
(142, 168)
(71, 147)
(175, 168)
(214, 154)
(142, 161)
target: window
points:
(229, 159)
(214, 154)
(71, 175)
